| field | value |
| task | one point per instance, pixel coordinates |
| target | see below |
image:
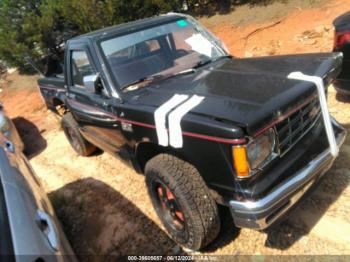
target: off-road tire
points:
(202, 221)
(76, 140)
(61, 110)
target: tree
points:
(37, 28)
(16, 34)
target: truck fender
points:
(145, 151)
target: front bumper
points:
(261, 213)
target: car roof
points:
(129, 27)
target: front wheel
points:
(182, 201)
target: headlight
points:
(260, 149)
(249, 158)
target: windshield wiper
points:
(183, 72)
(150, 79)
(144, 80)
(210, 60)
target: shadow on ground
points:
(210, 8)
(34, 143)
(102, 224)
(343, 98)
(306, 214)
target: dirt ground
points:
(103, 204)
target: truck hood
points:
(248, 92)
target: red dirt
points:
(103, 204)
(21, 98)
(282, 38)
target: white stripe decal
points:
(175, 133)
(318, 81)
(160, 115)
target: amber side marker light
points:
(240, 161)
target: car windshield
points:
(162, 50)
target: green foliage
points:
(37, 28)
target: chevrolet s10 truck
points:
(205, 128)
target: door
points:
(28, 225)
(6, 248)
(93, 110)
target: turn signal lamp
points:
(240, 161)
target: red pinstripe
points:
(137, 123)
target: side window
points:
(81, 67)
(142, 49)
(153, 45)
(178, 37)
(146, 48)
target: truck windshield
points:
(162, 50)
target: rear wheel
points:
(61, 110)
(76, 140)
(182, 201)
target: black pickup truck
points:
(205, 128)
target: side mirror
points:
(91, 83)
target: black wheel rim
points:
(169, 207)
(72, 137)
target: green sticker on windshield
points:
(182, 23)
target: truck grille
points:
(290, 130)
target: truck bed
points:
(53, 91)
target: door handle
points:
(49, 229)
(72, 96)
(102, 118)
(9, 146)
